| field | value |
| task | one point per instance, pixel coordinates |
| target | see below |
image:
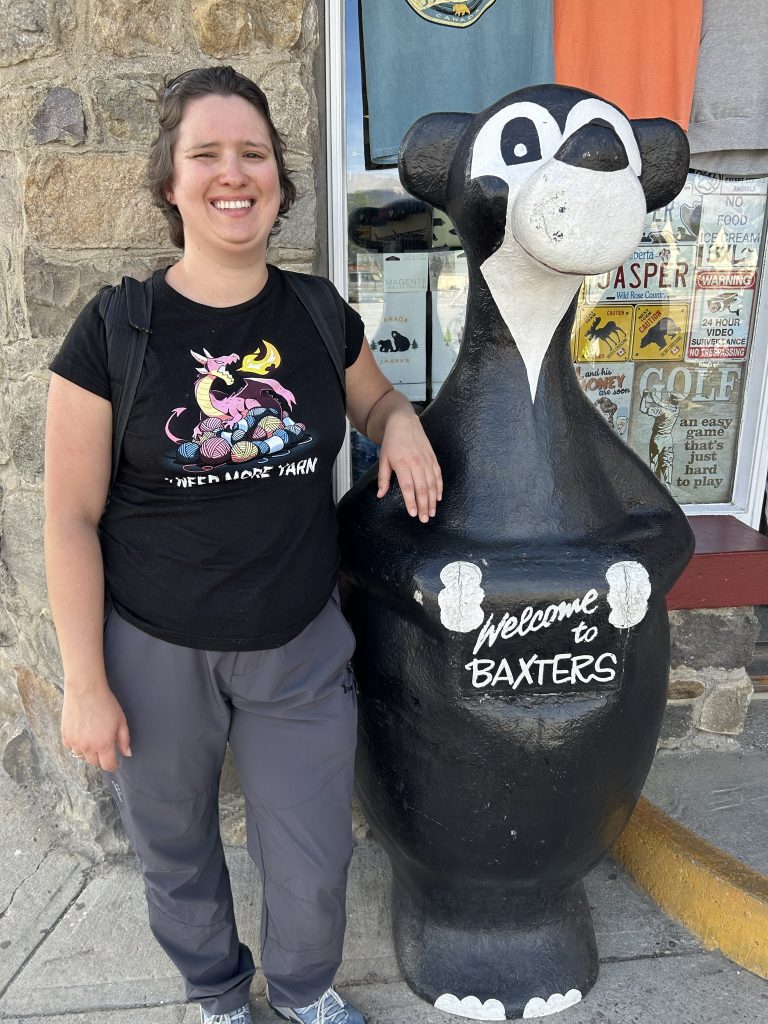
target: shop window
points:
(663, 345)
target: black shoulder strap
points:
(126, 310)
(326, 308)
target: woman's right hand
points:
(93, 725)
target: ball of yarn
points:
(238, 435)
(242, 451)
(294, 428)
(215, 450)
(284, 436)
(188, 451)
(205, 435)
(211, 423)
(269, 424)
(263, 447)
(258, 434)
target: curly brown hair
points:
(172, 98)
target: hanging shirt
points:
(639, 54)
(220, 530)
(729, 124)
(424, 56)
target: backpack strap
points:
(126, 310)
(326, 309)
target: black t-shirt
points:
(220, 532)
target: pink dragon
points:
(230, 408)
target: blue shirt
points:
(423, 56)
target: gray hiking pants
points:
(290, 716)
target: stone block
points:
(48, 647)
(677, 723)
(30, 355)
(683, 687)
(21, 540)
(279, 25)
(5, 419)
(56, 290)
(20, 757)
(60, 118)
(8, 631)
(713, 636)
(125, 110)
(226, 28)
(120, 29)
(290, 106)
(17, 109)
(726, 699)
(223, 28)
(26, 430)
(93, 200)
(82, 795)
(299, 229)
(26, 30)
(11, 226)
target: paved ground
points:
(722, 796)
(75, 947)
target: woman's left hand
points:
(406, 450)
(388, 419)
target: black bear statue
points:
(512, 656)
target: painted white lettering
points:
(531, 620)
(481, 669)
(579, 661)
(561, 670)
(561, 675)
(604, 674)
(504, 675)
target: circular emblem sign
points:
(458, 15)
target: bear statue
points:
(512, 655)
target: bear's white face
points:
(569, 219)
(562, 221)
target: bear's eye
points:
(520, 142)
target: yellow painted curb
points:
(722, 901)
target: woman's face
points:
(225, 179)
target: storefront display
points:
(661, 344)
(677, 317)
(668, 346)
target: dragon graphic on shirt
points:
(252, 423)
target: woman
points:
(218, 547)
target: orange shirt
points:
(639, 54)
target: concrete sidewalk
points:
(75, 947)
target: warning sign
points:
(722, 314)
(603, 333)
(660, 331)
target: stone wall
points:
(76, 119)
(709, 688)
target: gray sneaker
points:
(330, 1008)
(239, 1016)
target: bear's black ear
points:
(426, 154)
(665, 154)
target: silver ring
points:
(78, 756)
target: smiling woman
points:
(217, 553)
(226, 190)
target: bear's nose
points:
(596, 147)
